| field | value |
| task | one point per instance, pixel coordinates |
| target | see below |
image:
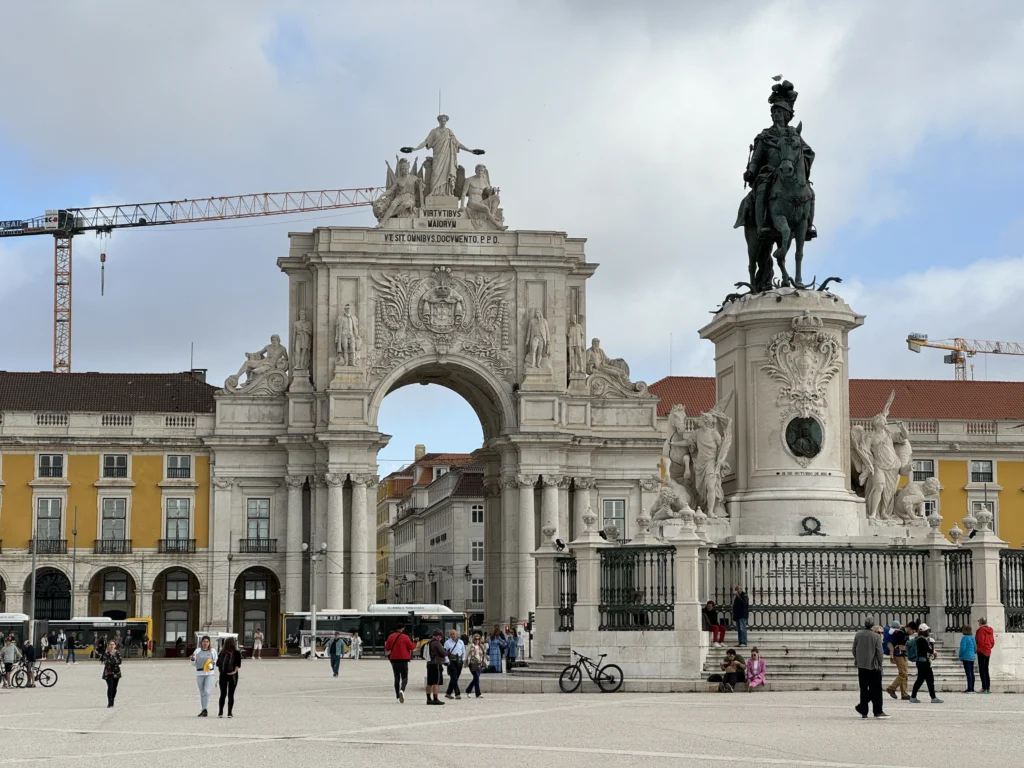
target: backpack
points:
(912, 649)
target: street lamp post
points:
(74, 563)
(230, 558)
(314, 557)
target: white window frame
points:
(102, 500)
(439, 472)
(980, 484)
(266, 588)
(476, 552)
(269, 518)
(475, 584)
(913, 472)
(176, 621)
(167, 581)
(191, 514)
(103, 586)
(623, 528)
(63, 466)
(191, 467)
(60, 517)
(475, 511)
(127, 466)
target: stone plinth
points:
(782, 356)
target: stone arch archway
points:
(175, 609)
(257, 603)
(53, 595)
(112, 593)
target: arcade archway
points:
(53, 595)
(112, 594)
(175, 611)
(257, 605)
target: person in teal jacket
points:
(968, 654)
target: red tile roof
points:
(111, 392)
(470, 484)
(915, 398)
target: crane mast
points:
(64, 223)
(960, 349)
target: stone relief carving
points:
(538, 339)
(803, 361)
(574, 339)
(649, 484)
(403, 193)
(266, 371)
(564, 482)
(551, 481)
(695, 463)
(370, 481)
(492, 488)
(881, 455)
(302, 340)
(334, 479)
(509, 483)
(318, 481)
(908, 507)
(443, 178)
(347, 338)
(526, 481)
(480, 201)
(223, 483)
(295, 481)
(444, 313)
(585, 483)
(608, 377)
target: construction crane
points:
(960, 349)
(64, 223)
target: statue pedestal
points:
(300, 381)
(783, 357)
(578, 383)
(537, 378)
(347, 375)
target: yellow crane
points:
(960, 349)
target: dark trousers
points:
(454, 670)
(400, 669)
(335, 664)
(969, 674)
(732, 678)
(475, 682)
(112, 688)
(983, 659)
(924, 675)
(228, 683)
(870, 691)
(70, 658)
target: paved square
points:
(294, 713)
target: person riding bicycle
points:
(9, 656)
(28, 655)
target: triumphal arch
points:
(442, 290)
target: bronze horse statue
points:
(789, 198)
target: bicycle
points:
(45, 677)
(607, 676)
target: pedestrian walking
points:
(204, 659)
(436, 658)
(476, 658)
(897, 651)
(357, 646)
(968, 654)
(9, 656)
(924, 652)
(398, 648)
(228, 663)
(985, 639)
(111, 661)
(69, 658)
(740, 613)
(511, 648)
(496, 650)
(61, 643)
(867, 655)
(145, 645)
(334, 650)
(456, 651)
(95, 650)
(44, 646)
(709, 615)
(257, 643)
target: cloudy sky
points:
(625, 123)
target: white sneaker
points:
(401, 696)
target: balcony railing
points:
(112, 547)
(177, 546)
(51, 471)
(179, 473)
(115, 471)
(48, 546)
(258, 546)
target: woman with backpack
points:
(922, 653)
(228, 662)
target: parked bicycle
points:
(607, 676)
(45, 677)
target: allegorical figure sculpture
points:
(881, 454)
(444, 167)
(712, 441)
(347, 337)
(537, 340)
(779, 208)
(266, 370)
(675, 494)
(480, 200)
(599, 362)
(908, 506)
(403, 194)
(574, 337)
(302, 337)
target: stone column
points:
(293, 545)
(221, 543)
(527, 539)
(362, 577)
(985, 548)
(935, 574)
(692, 643)
(370, 482)
(494, 558)
(509, 546)
(318, 536)
(587, 549)
(581, 503)
(335, 541)
(549, 502)
(546, 614)
(563, 508)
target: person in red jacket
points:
(986, 641)
(398, 648)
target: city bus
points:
(89, 629)
(16, 625)
(372, 625)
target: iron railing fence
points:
(566, 593)
(1011, 587)
(638, 589)
(825, 588)
(959, 565)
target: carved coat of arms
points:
(441, 312)
(803, 361)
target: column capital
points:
(223, 483)
(492, 488)
(585, 483)
(551, 481)
(295, 482)
(564, 482)
(319, 481)
(526, 481)
(367, 480)
(334, 480)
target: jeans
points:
(983, 659)
(70, 656)
(112, 688)
(335, 664)
(205, 684)
(870, 691)
(475, 682)
(741, 631)
(228, 683)
(924, 675)
(401, 672)
(901, 677)
(454, 670)
(969, 674)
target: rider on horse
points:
(765, 160)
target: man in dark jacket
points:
(867, 655)
(436, 660)
(740, 612)
(28, 655)
(334, 649)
